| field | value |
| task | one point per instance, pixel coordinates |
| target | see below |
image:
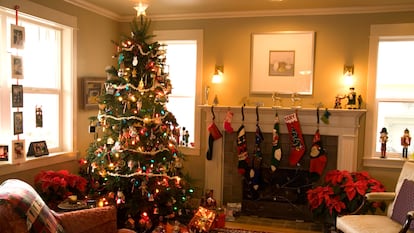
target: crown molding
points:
(245, 14)
(95, 9)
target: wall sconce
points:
(218, 74)
(216, 79)
(348, 70)
(349, 75)
(140, 8)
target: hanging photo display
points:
(17, 37)
(17, 96)
(18, 122)
(17, 67)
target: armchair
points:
(400, 210)
(22, 210)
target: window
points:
(47, 80)
(184, 54)
(390, 72)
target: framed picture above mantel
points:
(282, 62)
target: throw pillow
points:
(404, 202)
(27, 202)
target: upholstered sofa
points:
(22, 210)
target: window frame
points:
(67, 24)
(197, 35)
(371, 157)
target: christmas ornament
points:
(296, 139)
(39, 117)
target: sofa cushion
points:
(27, 203)
(367, 224)
(404, 202)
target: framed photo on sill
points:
(18, 123)
(38, 149)
(17, 96)
(17, 37)
(17, 67)
(91, 90)
(4, 152)
(282, 62)
(18, 151)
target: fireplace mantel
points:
(343, 123)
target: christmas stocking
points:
(318, 158)
(276, 149)
(296, 139)
(214, 135)
(242, 151)
(257, 160)
(227, 122)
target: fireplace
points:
(280, 193)
(340, 137)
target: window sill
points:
(36, 162)
(385, 163)
(187, 151)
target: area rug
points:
(234, 230)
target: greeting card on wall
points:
(17, 37)
(18, 122)
(18, 151)
(282, 62)
(17, 96)
(17, 67)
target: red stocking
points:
(227, 122)
(296, 139)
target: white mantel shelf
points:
(343, 123)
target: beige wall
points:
(94, 51)
(340, 40)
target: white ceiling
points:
(122, 10)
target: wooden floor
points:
(274, 225)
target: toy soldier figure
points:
(383, 140)
(405, 142)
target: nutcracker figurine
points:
(405, 143)
(383, 140)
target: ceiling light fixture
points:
(140, 8)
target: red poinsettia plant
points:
(343, 192)
(55, 186)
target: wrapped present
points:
(220, 221)
(202, 220)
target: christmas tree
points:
(134, 159)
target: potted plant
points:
(343, 192)
(56, 186)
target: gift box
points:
(202, 220)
